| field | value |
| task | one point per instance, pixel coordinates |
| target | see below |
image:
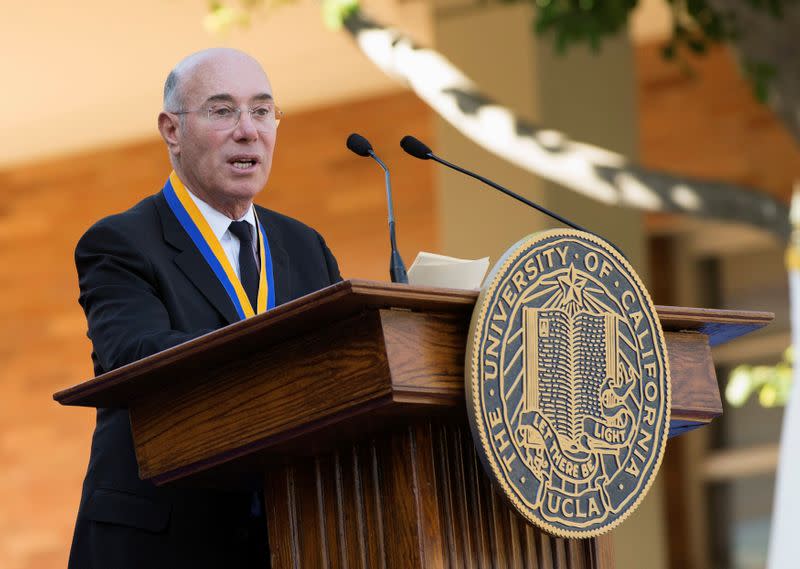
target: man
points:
(193, 258)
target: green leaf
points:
(760, 76)
(695, 7)
(772, 383)
(335, 12)
(696, 45)
(740, 386)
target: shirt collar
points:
(218, 221)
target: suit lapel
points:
(281, 275)
(191, 262)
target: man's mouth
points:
(243, 162)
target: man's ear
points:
(168, 126)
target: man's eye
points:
(262, 112)
(220, 112)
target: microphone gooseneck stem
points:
(509, 193)
(397, 269)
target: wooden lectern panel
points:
(413, 498)
(300, 395)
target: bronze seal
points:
(568, 389)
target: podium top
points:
(335, 303)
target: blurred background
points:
(82, 89)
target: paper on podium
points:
(430, 269)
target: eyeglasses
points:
(225, 117)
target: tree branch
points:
(597, 173)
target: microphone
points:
(361, 146)
(416, 148)
(419, 149)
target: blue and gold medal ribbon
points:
(196, 226)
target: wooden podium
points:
(350, 402)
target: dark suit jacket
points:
(145, 287)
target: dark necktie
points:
(248, 266)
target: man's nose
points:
(246, 127)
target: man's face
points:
(231, 164)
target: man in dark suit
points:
(193, 258)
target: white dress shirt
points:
(220, 223)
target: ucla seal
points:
(567, 386)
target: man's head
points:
(223, 161)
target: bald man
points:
(194, 257)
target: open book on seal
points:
(430, 269)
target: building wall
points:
(704, 121)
